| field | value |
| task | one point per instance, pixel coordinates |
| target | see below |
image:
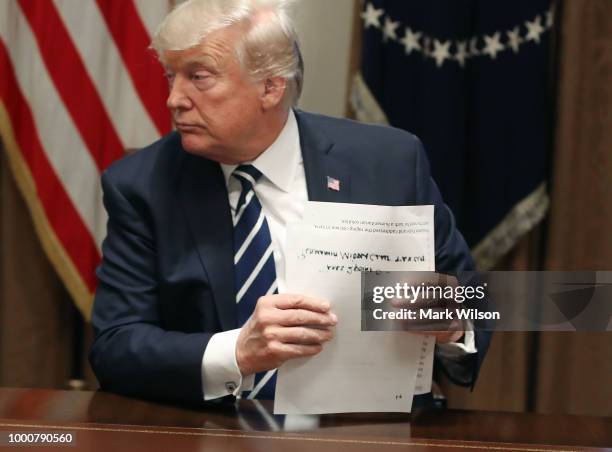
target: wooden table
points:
(108, 422)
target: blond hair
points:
(269, 46)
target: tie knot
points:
(247, 175)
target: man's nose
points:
(178, 98)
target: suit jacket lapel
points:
(321, 162)
(204, 198)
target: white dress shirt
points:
(282, 193)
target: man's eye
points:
(169, 76)
(200, 76)
(203, 80)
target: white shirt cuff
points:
(457, 350)
(220, 373)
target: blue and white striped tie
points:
(253, 262)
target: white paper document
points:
(358, 371)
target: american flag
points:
(483, 75)
(333, 184)
(78, 87)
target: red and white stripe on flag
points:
(78, 87)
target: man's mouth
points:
(186, 127)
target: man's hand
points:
(445, 331)
(283, 327)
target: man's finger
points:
(286, 301)
(303, 317)
(290, 351)
(303, 335)
(422, 303)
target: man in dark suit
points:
(189, 307)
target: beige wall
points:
(325, 29)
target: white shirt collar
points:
(280, 161)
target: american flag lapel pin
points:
(333, 184)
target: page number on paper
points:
(398, 396)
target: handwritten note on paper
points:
(357, 371)
(417, 221)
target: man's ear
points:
(273, 92)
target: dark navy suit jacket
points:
(166, 283)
